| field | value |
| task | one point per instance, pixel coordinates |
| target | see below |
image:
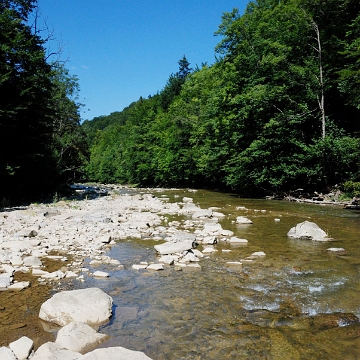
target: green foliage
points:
(252, 121)
(351, 188)
(69, 146)
(40, 135)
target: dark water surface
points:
(298, 302)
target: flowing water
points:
(298, 302)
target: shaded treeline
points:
(41, 142)
(279, 108)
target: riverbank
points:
(75, 239)
(334, 197)
(44, 246)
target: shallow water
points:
(298, 302)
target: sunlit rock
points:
(190, 257)
(243, 220)
(209, 240)
(226, 233)
(236, 240)
(101, 274)
(308, 230)
(115, 353)
(139, 266)
(5, 280)
(20, 285)
(202, 213)
(32, 261)
(167, 259)
(54, 351)
(6, 354)
(91, 306)
(174, 247)
(258, 254)
(79, 337)
(208, 250)
(16, 260)
(155, 267)
(336, 250)
(22, 347)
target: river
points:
(300, 301)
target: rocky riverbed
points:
(46, 248)
(43, 247)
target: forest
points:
(278, 110)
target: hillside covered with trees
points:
(279, 108)
(41, 142)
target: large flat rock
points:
(174, 247)
(115, 353)
(90, 306)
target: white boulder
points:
(32, 261)
(308, 230)
(91, 306)
(258, 254)
(79, 337)
(52, 351)
(167, 259)
(5, 280)
(174, 247)
(6, 354)
(115, 353)
(202, 213)
(19, 285)
(22, 347)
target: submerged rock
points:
(243, 220)
(308, 230)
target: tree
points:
(184, 68)
(40, 135)
(173, 85)
(69, 144)
(25, 104)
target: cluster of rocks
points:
(84, 229)
(72, 231)
(78, 312)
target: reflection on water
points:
(298, 302)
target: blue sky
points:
(123, 49)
